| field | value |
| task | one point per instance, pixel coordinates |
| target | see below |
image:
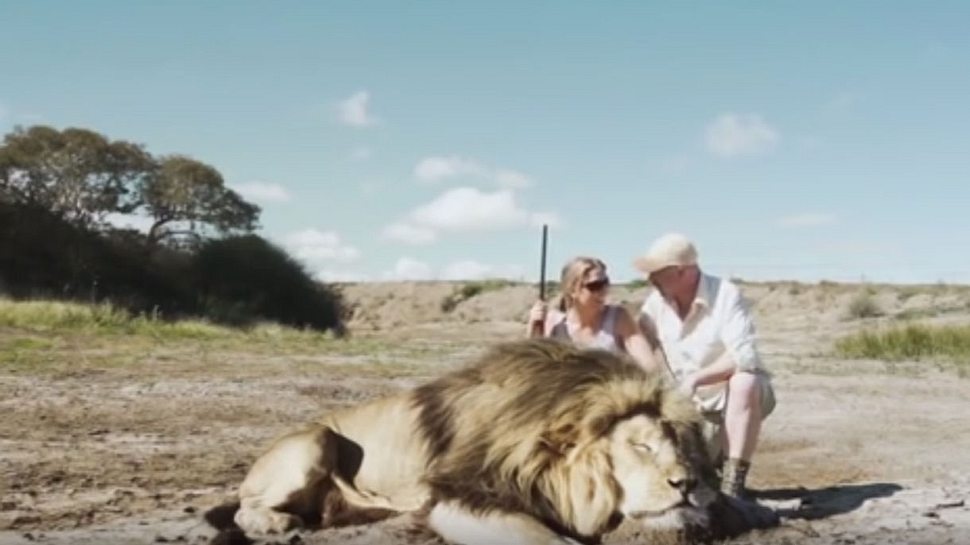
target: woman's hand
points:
(537, 319)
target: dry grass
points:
(51, 337)
(57, 316)
(909, 342)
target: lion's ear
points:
(560, 440)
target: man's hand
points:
(688, 385)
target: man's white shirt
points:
(718, 323)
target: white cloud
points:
(410, 234)
(809, 219)
(329, 275)
(315, 247)
(548, 218)
(732, 135)
(262, 192)
(512, 179)
(473, 270)
(361, 153)
(465, 270)
(466, 209)
(434, 169)
(355, 110)
(437, 168)
(407, 268)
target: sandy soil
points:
(857, 452)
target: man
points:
(705, 332)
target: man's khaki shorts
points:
(712, 402)
(712, 408)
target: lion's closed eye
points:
(642, 447)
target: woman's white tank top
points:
(605, 337)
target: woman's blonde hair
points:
(573, 273)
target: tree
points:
(77, 174)
(186, 199)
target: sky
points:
(431, 140)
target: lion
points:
(536, 441)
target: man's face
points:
(668, 280)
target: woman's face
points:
(592, 289)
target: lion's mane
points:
(517, 431)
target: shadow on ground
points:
(826, 502)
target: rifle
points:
(538, 328)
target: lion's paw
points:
(265, 521)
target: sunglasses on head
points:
(597, 285)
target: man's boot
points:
(754, 514)
(733, 476)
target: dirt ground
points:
(131, 440)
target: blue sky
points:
(809, 141)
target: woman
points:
(585, 318)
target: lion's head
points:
(662, 479)
(579, 439)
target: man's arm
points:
(738, 334)
(635, 343)
(722, 369)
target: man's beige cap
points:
(668, 250)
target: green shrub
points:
(233, 281)
(42, 255)
(243, 280)
(911, 342)
(469, 290)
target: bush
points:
(235, 281)
(469, 290)
(908, 342)
(243, 280)
(864, 305)
(44, 255)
